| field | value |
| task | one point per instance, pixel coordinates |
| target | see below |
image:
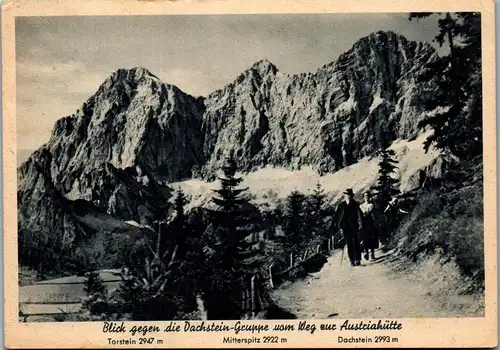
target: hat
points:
(349, 192)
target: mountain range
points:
(136, 134)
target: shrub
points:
(96, 299)
(452, 222)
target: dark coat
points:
(371, 226)
(349, 218)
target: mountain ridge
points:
(136, 134)
(143, 71)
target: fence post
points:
(291, 260)
(248, 299)
(259, 295)
(252, 295)
(243, 299)
(243, 296)
(271, 283)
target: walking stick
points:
(342, 259)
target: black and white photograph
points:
(250, 167)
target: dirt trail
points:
(372, 290)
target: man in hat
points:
(350, 224)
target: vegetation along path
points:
(371, 290)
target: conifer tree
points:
(95, 290)
(179, 202)
(386, 186)
(178, 226)
(153, 286)
(230, 220)
(161, 278)
(457, 124)
(232, 258)
(294, 222)
(314, 212)
(186, 237)
(318, 199)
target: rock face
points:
(328, 119)
(128, 139)
(41, 209)
(136, 134)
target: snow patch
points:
(133, 223)
(377, 101)
(348, 105)
(437, 111)
(269, 186)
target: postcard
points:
(249, 174)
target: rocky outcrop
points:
(131, 137)
(42, 212)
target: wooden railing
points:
(253, 299)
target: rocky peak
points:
(260, 71)
(264, 67)
(382, 37)
(380, 47)
(133, 120)
(329, 119)
(135, 74)
(122, 86)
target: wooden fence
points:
(253, 296)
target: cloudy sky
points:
(61, 61)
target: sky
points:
(61, 61)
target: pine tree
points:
(94, 284)
(294, 222)
(232, 258)
(191, 261)
(230, 219)
(458, 126)
(95, 290)
(178, 226)
(179, 202)
(318, 203)
(153, 287)
(315, 211)
(386, 186)
(160, 281)
(318, 199)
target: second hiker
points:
(393, 215)
(371, 229)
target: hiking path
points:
(372, 290)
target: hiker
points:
(371, 221)
(350, 224)
(392, 217)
